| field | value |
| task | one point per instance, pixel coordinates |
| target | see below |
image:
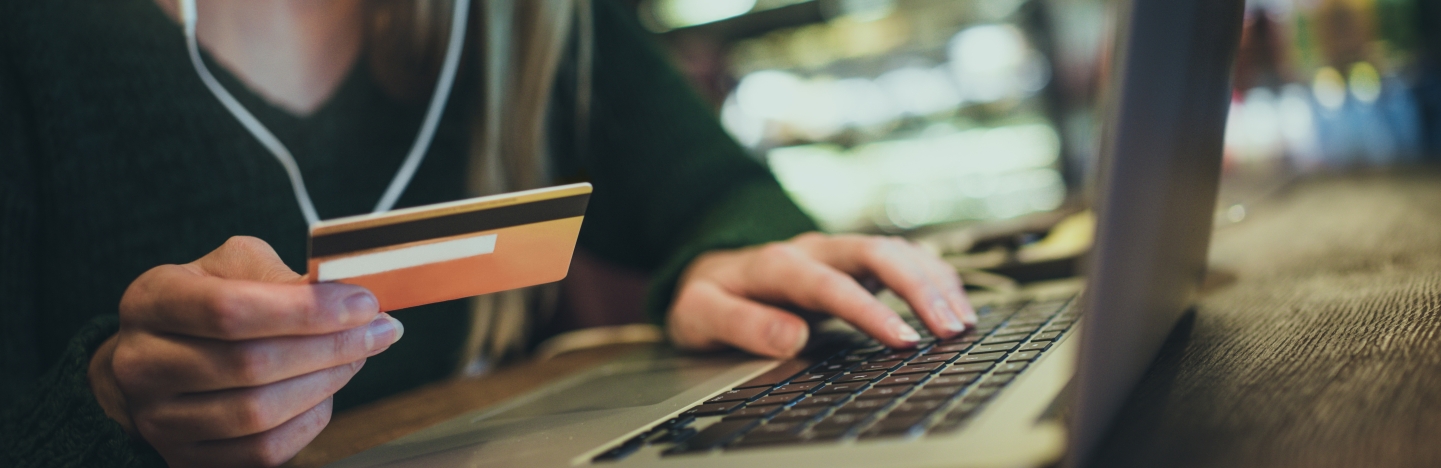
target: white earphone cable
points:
(459, 19)
(297, 183)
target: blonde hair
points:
(520, 45)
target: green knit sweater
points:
(114, 159)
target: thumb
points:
(247, 258)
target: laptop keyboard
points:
(868, 391)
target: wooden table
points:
(1324, 349)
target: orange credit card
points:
(434, 253)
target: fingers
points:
(270, 448)
(945, 276)
(782, 272)
(234, 413)
(183, 364)
(176, 299)
(932, 289)
(707, 315)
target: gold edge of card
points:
(353, 223)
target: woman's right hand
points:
(232, 360)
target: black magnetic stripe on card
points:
(448, 225)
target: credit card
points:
(414, 256)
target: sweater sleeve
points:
(670, 184)
(59, 423)
(51, 419)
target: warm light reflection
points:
(1329, 88)
(675, 14)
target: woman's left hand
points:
(733, 297)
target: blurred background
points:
(906, 115)
(972, 126)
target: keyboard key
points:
(812, 378)
(967, 368)
(624, 450)
(1005, 338)
(838, 423)
(859, 377)
(953, 380)
(776, 399)
(932, 357)
(908, 379)
(878, 366)
(979, 395)
(997, 380)
(820, 401)
(718, 434)
(862, 406)
(894, 356)
(934, 393)
(961, 411)
(969, 336)
(713, 409)
(895, 425)
(885, 392)
(737, 395)
(970, 358)
(1035, 346)
(952, 348)
(1057, 327)
(674, 436)
(999, 347)
(775, 427)
(753, 439)
(1024, 356)
(799, 413)
(918, 368)
(1047, 336)
(831, 368)
(1016, 330)
(793, 388)
(850, 387)
(753, 412)
(922, 407)
(1008, 367)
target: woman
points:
(118, 170)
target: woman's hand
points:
(232, 359)
(731, 297)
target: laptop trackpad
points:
(624, 386)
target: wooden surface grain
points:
(1324, 351)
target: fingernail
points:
(904, 332)
(949, 315)
(383, 332)
(968, 313)
(361, 303)
(788, 338)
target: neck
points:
(293, 53)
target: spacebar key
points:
(718, 434)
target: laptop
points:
(1035, 384)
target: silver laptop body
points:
(1169, 92)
